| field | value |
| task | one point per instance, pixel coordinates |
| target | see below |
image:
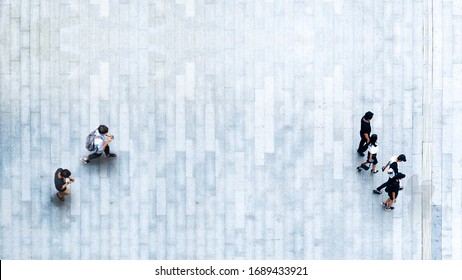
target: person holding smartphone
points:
(100, 139)
(61, 184)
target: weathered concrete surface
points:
(236, 124)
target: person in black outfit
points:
(392, 171)
(392, 190)
(60, 182)
(365, 132)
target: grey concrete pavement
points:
(236, 124)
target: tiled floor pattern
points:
(235, 125)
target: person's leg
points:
(93, 156)
(108, 153)
(61, 195)
(379, 189)
(386, 202)
(388, 205)
(374, 164)
(107, 150)
(66, 192)
(362, 145)
(382, 186)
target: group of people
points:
(97, 142)
(369, 143)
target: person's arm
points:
(66, 184)
(106, 143)
(385, 167)
(393, 194)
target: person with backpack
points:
(60, 183)
(365, 132)
(392, 190)
(392, 170)
(98, 141)
(371, 155)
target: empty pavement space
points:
(236, 125)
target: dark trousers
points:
(96, 155)
(384, 185)
(362, 144)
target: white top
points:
(391, 173)
(373, 149)
(99, 142)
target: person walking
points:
(400, 158)
(392, 191)
(98, 141)
(60, 183)
(392, 170)
(365, 132)
(371, 155)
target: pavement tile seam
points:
(233, 141)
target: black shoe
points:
(111, 155)
(389, 209)
(377, 192)
(360, 153)
(401, 189)
(60, 198)
(85, 160)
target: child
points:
(60, 183)
(371, 154)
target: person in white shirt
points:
(392, 170)
(371, 154)
(101, 144)
(400, 158)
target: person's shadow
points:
(56, 201)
